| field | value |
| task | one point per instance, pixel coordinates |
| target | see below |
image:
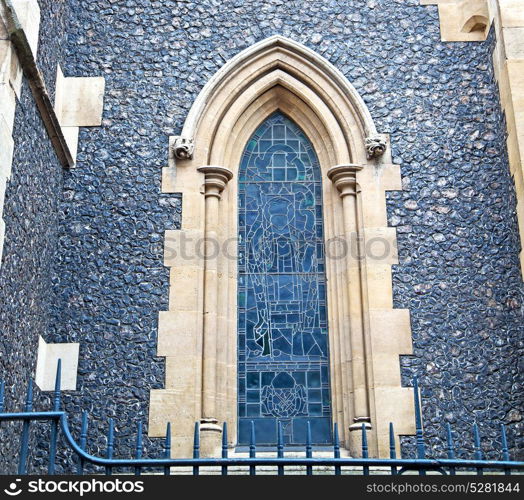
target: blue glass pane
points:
(283, 338)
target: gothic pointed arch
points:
(280, 62)
(198, 334)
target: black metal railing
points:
(225, 464)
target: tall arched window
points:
(283, 358)
(220, 165)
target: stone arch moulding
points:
(198, 334)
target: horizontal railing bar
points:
(202, 462)
(37, 415)
(407, 464)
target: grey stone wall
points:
(458, 238)
(458, 242)
(31, 237)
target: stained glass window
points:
(283, 356)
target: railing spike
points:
(54, 424)
(392, 448)
(138, 447)
(336, 441)
(365, 448)
(252, 449)
(309, 449)
(252, 441)
(308, 439)
(224, 440)
(196, 441)
(451, 447)
(110, 445)
(477, 446)
(58, 381)
(476, 437)
(167, 442)
(83, 442)
(336, 448)
(280, 441)
(225, 450)
(364, 441)
(505, 450)
(421, 446)
(167, 448)
(29, 396)
(24, 441)
(280, 447)
(196, 448)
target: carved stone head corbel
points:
(183, 148)
(375, 146)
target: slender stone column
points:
(344, 179)
(216, 179)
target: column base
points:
(210, 438)
(355, 436)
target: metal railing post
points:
(392, 448)
(24, 441)
(54, 424)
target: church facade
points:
(273, 212)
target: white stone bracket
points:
(47, 362)
(79, 102)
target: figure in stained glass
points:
(283, 338)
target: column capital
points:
(344, 178)
(216, 179)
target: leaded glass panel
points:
(283, 356)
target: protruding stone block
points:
(79, 102)
(47, 361)
(28, 13)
